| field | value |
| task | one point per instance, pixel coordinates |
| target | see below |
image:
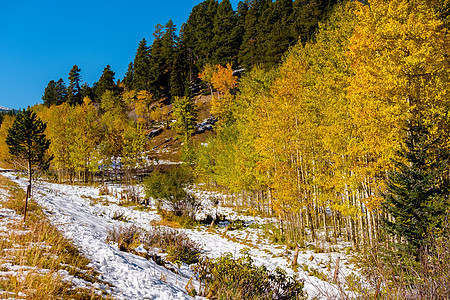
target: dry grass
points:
(177, 245)
(33, 256)
(6, 165)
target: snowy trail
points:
(84, 218)
(131, 276)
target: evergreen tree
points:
(248, 55)
(141, 67)
(26, 140)
(106, 82)
(74, 96)
(185, 112)
(198, 34)
(306, 16)
(417, 194)
(279, 37)
(156, 63)
(162, 57)
(55, 93)
(169, 43)
(128, 79)
(61, 92)
(49, 96)
(179, 74)
(225, 40)
(87, 91)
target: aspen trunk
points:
(333, 215)
(325, 224)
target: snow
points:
(4, 108)
(85, 217)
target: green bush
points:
(229, 278)
(170, 191)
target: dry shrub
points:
(127, 238)
(178, 246)
(397, 274)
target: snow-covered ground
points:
(86, 217)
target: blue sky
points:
(41, 40)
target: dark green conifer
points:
(141, 67)
(417, 194)
(74, 96)
(27, 141)
(106, 82)
(128, 79)
(251, 44)
(55, 93)
(225, 39)
(164, 49)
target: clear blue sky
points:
(41, 40)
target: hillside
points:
(166, 142)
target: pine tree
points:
(198, 34)
(49, 96)
(417, 194)
(169, 43)
(87, 91)
(141, 67)
(27, 141)
(128, 79)
(249, 39)
(225, 37)
(55, 93)
(162, 57)
(74, 96)
(185, 112)
(106, 82)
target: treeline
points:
(258, 32)
(315, 141)
(7, 113)
(111, 137)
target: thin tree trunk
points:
(28, 191)
(333, 214)
(325, 224)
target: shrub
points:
(178, 246)
(228, 278)
(127, 238)
(169, 190)
(397, 274)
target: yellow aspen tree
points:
(60, 136)
(399, 51)
(4, 149)
(142, 103)
(87, 135)
(135, 142)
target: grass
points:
(39, 252)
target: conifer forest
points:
(329, 118)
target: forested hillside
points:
(255, 33)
